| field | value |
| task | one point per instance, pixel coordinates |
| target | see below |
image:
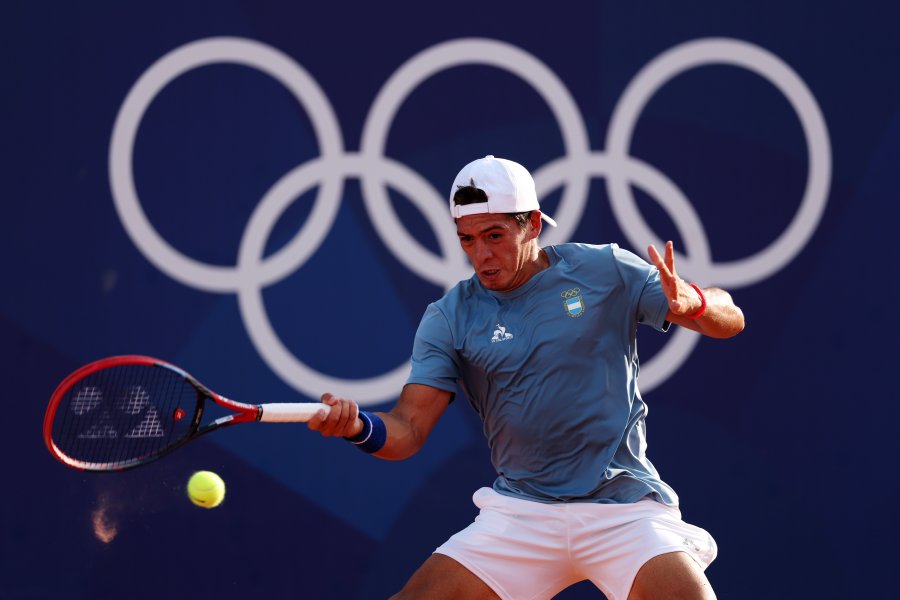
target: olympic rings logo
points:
(572, 172)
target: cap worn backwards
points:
(508, 186)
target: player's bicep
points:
(434, 361)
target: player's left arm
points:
(721, 318)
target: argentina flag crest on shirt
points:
(573, 302)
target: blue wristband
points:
(373, 435)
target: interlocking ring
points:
(253, 271)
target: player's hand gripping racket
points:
(125, 411)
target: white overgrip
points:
(291, 412)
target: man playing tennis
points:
(542, 340)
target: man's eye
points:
(495, 236)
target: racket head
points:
(122, 412)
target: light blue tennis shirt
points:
(551, 367)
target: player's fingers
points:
(334, 414)
(657, 260)
(353, 425)
(317, 421)
(338, 417)
(342, 419)
(670, 257)
(348, 417)
(350, 424)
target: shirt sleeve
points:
(434, 360)
(644, 289)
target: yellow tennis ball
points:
(206, 489)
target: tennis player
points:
(542, 341)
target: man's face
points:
(499, 249)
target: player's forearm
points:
(411, 420)
(721, 319)
(403, 438)
(393, 435)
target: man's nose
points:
(482, 252)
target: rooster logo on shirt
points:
(500, 334)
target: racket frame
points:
(242, 412)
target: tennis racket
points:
(126, 411)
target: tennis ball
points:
(206, 489)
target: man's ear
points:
(536, 224)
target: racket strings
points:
(123, 415)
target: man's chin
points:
(496, 283)
(491, 282)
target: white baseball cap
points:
(508, 186)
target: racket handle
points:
(291, 412)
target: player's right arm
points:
(434, 371)
(408, 424)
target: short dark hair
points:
(468, 194)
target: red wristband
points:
(699, 312)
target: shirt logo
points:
(500, 334)
(572, 302)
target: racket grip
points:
(291, 412)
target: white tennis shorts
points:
(527, 550)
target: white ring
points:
(191, 272)
(290, 368)
(697, 53)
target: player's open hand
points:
(683, 299)
(342, 420)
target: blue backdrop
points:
(255, 191)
